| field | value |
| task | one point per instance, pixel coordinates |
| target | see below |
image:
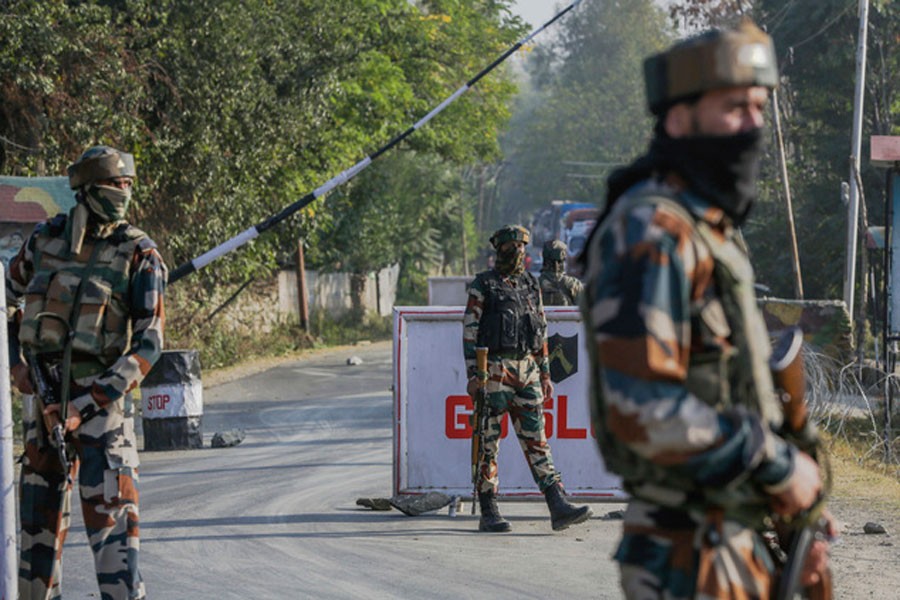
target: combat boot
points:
(491, 520)
(563, 514)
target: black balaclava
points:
(510, 261)
(553, 267)
(723, 170)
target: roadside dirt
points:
(865, 565)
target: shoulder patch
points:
(54, 226)
(146, 244)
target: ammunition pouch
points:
(64, 304)
(510, 321)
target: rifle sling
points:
(65, 386)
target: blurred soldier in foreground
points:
(505, 314)
(557, 288)
(683, 398)
(91, 327)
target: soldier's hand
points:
(816, 564)
(21, 378)
(73, 418)
(803, 487)
(547, 388)
(472, 386)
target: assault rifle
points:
(43, 388)
(787, 370)
(479, 420)
(789, 582)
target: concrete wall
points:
(331, 292)
(448, 291)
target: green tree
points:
(408, 209)
(404, 212)
(586, 105)
(65, 81)
(816, 43)
(236, 108)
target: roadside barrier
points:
(172, 402)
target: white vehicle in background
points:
(559, 220)
(578, 226)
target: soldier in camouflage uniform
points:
(92, 287)
(557, 288)
(682, 395)
(504, 313)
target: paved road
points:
(276, 516)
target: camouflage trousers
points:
(514, 387)
(109, 504)
(672, 555)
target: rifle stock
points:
(787, 371)
(786, 365)
(478, 417)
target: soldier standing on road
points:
(505, 314)
(92, 286)
(557, 288)
(683, 398)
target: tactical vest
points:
(554, 292)
(99, 323)
(510, 321)
(737, 379)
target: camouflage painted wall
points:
(826, 324)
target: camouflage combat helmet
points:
(510, 233)
(712, 60)
(100, 162)
(555, 250)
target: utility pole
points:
(792, 233)
(302, 302)
(465, 245)
(853, 205)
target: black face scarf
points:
(723, 170)
(510, 261)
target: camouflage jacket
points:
(118, 329)
(480, 296)
(652, 307)
(559, 289)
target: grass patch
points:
(220, 347)
(347, 330)
(859, 472)
(864, 483)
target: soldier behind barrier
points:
(557, 288)
(505, 314)
(683, 399)
(93, 317)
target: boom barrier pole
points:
(254, 232)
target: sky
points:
(538, 12)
